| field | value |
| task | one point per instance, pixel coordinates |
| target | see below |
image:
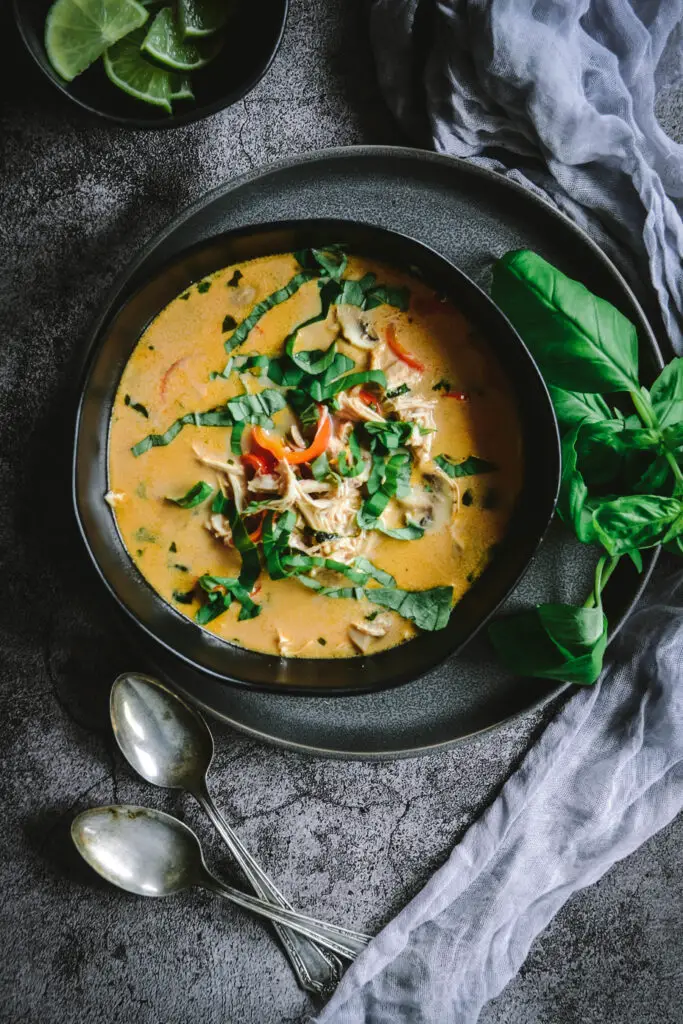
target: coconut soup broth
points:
(451, 389)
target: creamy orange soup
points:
(287, 487)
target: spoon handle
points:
(341, 940)
(316, 971)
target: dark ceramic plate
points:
(470, 216)
(340, 676)
(254, 35)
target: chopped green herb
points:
(172, 546)
(322, 641)
(470, 466)
(402, 389)
(467, 497)
(203, 287)
(241, 332)
(195, 496)
(236, 438)
(136, 406)
(442, 385)
(321, 537)
(185, 295)
(182, 568)
(140, 552)
(141, 489)
(229, 323)
(235, 279)
(151, 348)
(372, 615)
(143, 535)
(184, 597)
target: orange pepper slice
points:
(294, 457)
(398, 349)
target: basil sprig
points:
(220, 593)
(622, 475)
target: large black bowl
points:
(111, 350)
(254, 35)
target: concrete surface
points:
(347, 841)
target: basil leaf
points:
(219, 602)
(235, 279)
(229, 323)
(580, 342)
(320, 467)
(390, 435)
(553, 641)
(470, 466)
(313, 361)
(241, 332)
(257, 408)
(637, 521)
(411, 531)
(428, 609)
(573, 506)
(352, 464)
(373, 572)
(195, 496)
(236, 437)
(184, 597)
(212, 418)
(322, 391)
(666, 394)
(274, 539)
(251, 565)
(572, 407)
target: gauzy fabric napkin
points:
(566, 88)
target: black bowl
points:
(254, 35)
(111, 349)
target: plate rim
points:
(443, 161)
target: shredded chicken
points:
(352, 407)
(340, 437)
(420, 412)
(266, 483)
(285, 648)
(361, 634)
(219, 526)
(115, 498)
(355, 327)
(232, 471)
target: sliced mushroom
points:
(379, 626)
(355, 328)
(430, 502)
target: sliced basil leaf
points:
(241, 332)
(236, 437)
(581, 342)
(553, 641)
(322, 391)
(184, 597)
(390, 435)
(136, 406)
(235, 279)
(320, 467)
(352, 464)
(402, 389)
(374, 572)
(257, 408)
(229, 323)
(428, 609)
(212, 418)
(411, 531)
(219, 602)
(195, 496)
(470, 466)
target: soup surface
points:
(336, 486)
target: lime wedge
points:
(181, 88)
(203, 17)
(164, 43)
(77, 32)
(128, 69)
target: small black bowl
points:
(111, 348)
(254, 35)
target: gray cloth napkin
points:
(566, 88)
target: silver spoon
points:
(169, 744)
(149, 853)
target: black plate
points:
(470, 215)
(232, 664)
(254, 35)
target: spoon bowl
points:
(163, 739)
(138, 849)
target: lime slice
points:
(203, 17)
(165, 43)
(181, 89)
(77, 32)
(128, 69)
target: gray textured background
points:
(345, 840)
